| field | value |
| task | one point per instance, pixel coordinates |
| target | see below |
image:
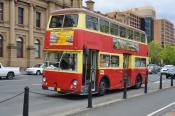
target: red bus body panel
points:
(95, 41)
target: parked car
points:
(37, 69)
(9, 72)
(165, 69)
(153, 69)
(171, 72)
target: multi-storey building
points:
(148, 14)
(141, 18)
(164, 32)
(127, 17)
(22, 29)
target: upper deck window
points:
(114, 29)
(91, 22)
(69, 20)
(104, 26)
(143, 38)
(122, 32)
(56, 21)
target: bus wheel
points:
(102, 87)
(138, 82)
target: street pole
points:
(90, 94)
(171, 80)
(26, 102)
(146, 83)
(160, 81)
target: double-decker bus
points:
(84, 46)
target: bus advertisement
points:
(83, 46)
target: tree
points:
(155, 52)
(168, 54)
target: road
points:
(52, 104)
(157, 104)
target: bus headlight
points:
(75, 82)
(44, 79)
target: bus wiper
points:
(60, 60)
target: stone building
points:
(22, 29)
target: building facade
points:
(148, 14)
(141, 18)
(164, 32)
(22, 29)
(126, 17)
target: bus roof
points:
(93, 13)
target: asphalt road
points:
(161, 103)
(52, 104)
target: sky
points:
(164, 8)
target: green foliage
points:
(158, 54)
(155, 52)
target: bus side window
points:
(130, 34)
(114, 61)
(143, 38)
(104, 60)
(104, 26)
(91, 22)
(122, 32)
(137, 36)
(113, 29)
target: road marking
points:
(37, 84)
(153, 113)
(163, 81)
(13, 80)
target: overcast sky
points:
(164, 8)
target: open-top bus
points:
(83, 45)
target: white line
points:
(159, 81)
(12, 80)
(153, 113)
(36, 84)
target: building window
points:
(20, 15)
(1, 46)
(38, 19)
(19, 44)
(37, 48)
(1, 11)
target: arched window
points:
(37, 48)
(1, 46)
(19, 44)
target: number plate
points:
(51, 88)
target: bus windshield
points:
(62, 61)
(69, 20)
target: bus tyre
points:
(138, 82)
(10, 75)
(102, 87)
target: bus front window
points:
(62, 61)
(69, 20)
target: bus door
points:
(126, 68)
(90, 68)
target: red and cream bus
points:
(83, 45)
